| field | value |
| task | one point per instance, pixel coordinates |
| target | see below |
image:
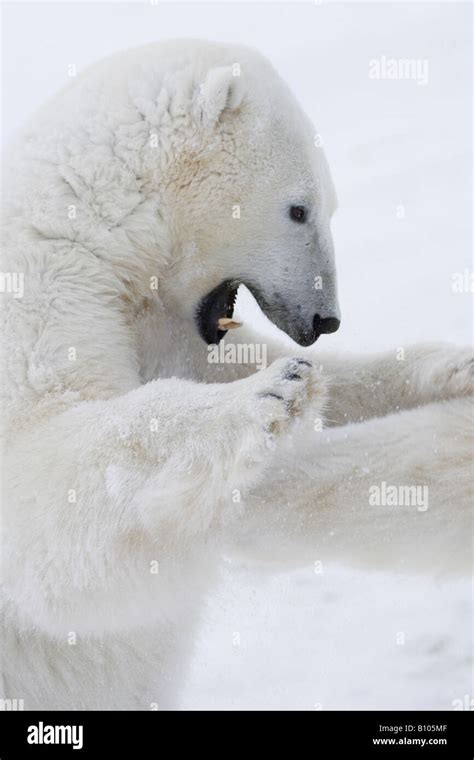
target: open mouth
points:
(217, 305)
(215, 312)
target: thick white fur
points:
(134, 450)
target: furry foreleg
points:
(394, 493)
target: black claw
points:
(269, 394)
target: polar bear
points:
(138, 200)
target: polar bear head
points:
(243, 190)
(250, 198)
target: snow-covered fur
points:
(131, 462)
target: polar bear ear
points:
(221, 91)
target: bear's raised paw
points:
(285, 390)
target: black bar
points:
(324, 734)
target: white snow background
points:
(401, 158)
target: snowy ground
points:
(401, 158)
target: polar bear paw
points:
(284, 390)
(460, 374)
(447, 372)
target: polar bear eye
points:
(298, 214)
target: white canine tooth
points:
(226, 323)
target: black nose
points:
(325, 325)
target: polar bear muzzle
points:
(216, 310)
